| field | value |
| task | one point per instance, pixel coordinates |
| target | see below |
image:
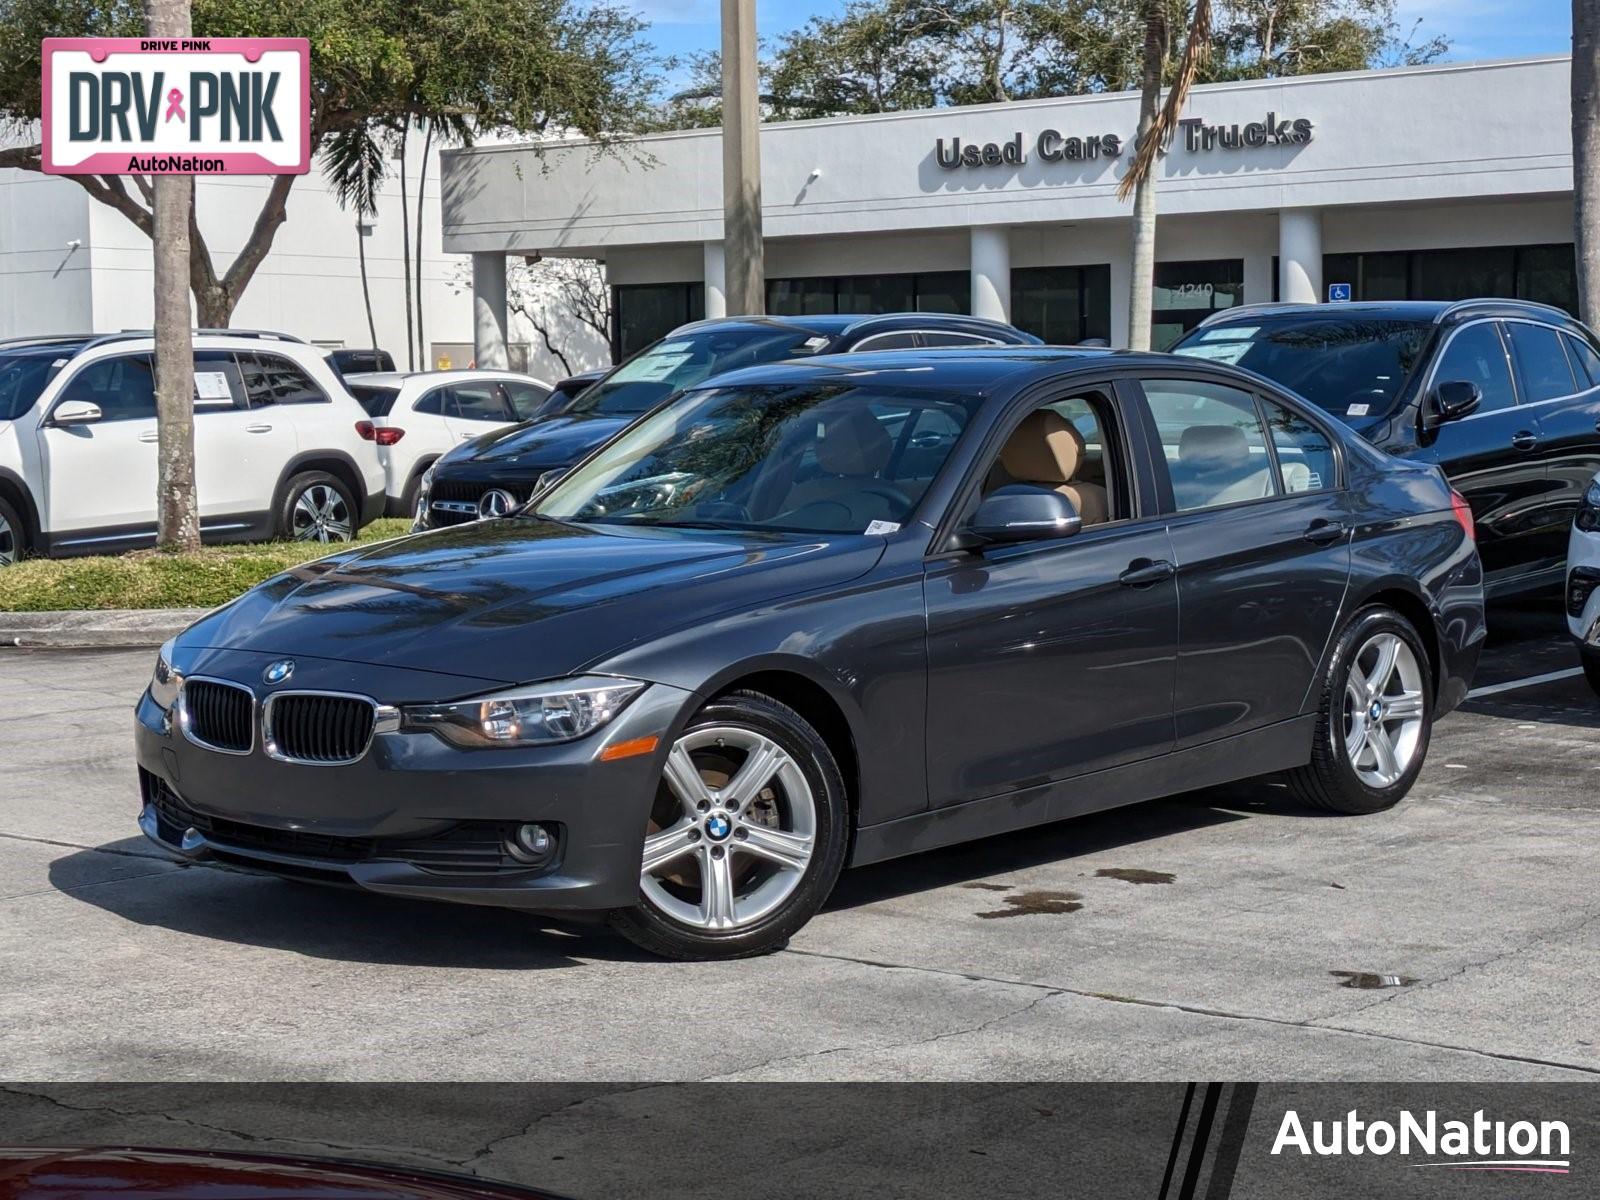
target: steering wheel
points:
(877, 487)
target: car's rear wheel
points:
(317, 507)
(746, 836)
(1591, 667)
(1374, 720)
(13, 538)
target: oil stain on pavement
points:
(1025, 904)
(1135, 875)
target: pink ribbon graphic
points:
(175, 105)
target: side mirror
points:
(549, 478)
(1021, 512)
(75, 412)
(1455, 399)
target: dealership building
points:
(1442, 181)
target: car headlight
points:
(1589, 510)
(540, 714)
(165, 681)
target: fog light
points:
(531, 844)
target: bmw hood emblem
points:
(718, 827)
(279, 671)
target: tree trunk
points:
(172, 203)
(405, 254)
(422, 192)
(1586, 152)
(366, 288)
(1141, 282)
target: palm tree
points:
(1586, 152)
(1158, 121)
(354, 164)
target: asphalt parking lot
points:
(1224, 934)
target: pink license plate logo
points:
(199, 106)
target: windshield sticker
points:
(1230, 333)
(814, 343)
(1358, 410)
(657, 367)
(1225, 352)
(882, 528)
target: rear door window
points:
(1305, 453)
(218, 382)
(1541, 362)
(1585, 362)
(483, 401)
(526, 398)
(272, 379)
(1212, 441)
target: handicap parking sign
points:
(1338, 293)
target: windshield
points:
(1347, 367)
(818, 457)
(22, 378)
(680, 361)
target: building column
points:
(1121, 287)
(1300, 256)
(489, 311)
(991, 273)
(716, 276)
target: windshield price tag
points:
(882, 528)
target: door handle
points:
(1525, 440)
(1324, 533)
(152, 436)
(258, 428)
(1142, 572)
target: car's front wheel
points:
(1374, 720)
(316, 507)
(746, 835)
(1591, 666)
(12, 535)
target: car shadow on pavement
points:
(1062, 841)
(230, 904)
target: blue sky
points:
(1477, 28)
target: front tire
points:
(1591, 667)
(13, 535)
(317, 507)
(1374, 720)
(746, 837)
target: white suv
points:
(1583, 582)
(419, 416)
(281, 448)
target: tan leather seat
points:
(1047, 450)
(1215, 466)
(852, 448)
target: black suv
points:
(1502, 394)
(500, 471)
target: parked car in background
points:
(1583, 583)
(569, 389)
(354, 362)
(414, 418)
(278, 452)
(841, 609)
(124, 1172)
(503, 470)
(1503, 394)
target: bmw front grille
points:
(319, 729)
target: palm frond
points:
(1196, 49)
(355, 166)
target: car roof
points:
(396, 378)
(838, 324)
(953, 369)
(1435, 311)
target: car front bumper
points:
(415, 816)
(1583, 587)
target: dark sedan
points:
(1504, 395)
(120, 1172)
(501, 470)
(827, 613)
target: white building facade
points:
(69, 264)
(1434, 182)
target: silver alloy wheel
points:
(1383, 710)
(738, 842)
(321, 515)
(8, 542)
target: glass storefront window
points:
(1062, 305)
(1546, 274)
(928, 291)
(1188, 292)
(642, 313)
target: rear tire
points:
(13, 535)
(1591, 667)
(317, 507)
(775, 838)
(1374, 718)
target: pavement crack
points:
(493, 1145)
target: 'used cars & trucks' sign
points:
(168, 106)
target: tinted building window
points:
(1546, 274)
(1186, 293)
(645, 312)
(928, 291)
(1062, 305)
